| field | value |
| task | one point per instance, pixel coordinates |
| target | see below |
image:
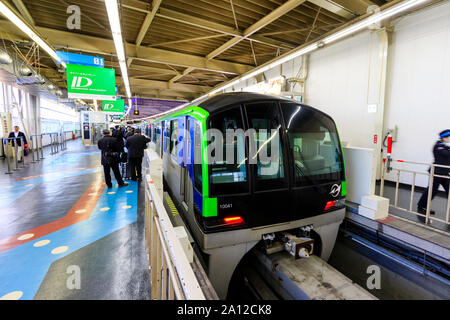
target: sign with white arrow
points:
(113, 106)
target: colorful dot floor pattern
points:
(24, 267)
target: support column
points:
(376, 91)
(37, 116)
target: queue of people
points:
(113, 145)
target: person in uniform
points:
(111, 149)
(441, 152)
(117, 133)
(136, 145)
(130, 132)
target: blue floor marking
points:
(70, 158)
(24, 268)
(19, 188)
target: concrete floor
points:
(65, 235)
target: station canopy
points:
(178, 50)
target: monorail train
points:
(229, 206)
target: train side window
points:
(173, 137)
(166, 135)
(266, 153)
(158, 134)
(197, 158)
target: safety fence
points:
(58, 142)
(172, 276)
(388, 167)
(17, 152)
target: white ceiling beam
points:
(79, 42)
(146, 25)
(179, 76)
(24, 11)
(207, 25)
(162, 85)
(334, 7)
(266, 20)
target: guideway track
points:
(304, 279)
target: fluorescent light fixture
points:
(376, 17)
(130, 104)
(8, 13)
(116, 30)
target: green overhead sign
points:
(113, 106)
(90, 82)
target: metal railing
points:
(172, 277)
(63, 141)
(387, 167)
(37, 150)
(54, 142)
(12, 142)
(58, 142)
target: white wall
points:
(338, 85)
(418, 96)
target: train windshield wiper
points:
(306, 175)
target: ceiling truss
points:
(179, 49)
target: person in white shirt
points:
(18, 134)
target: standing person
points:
(110, 158)
(441, 152)
(18, 134)
(129, 133)
(136, 145)
(117, 133)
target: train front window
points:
(266, 151)
(314, 145)
(228, 168)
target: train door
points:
(269, 166)
(187, 160)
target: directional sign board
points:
(113, 106)
(81, 59)
(90, 82)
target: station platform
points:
(439, 205)
(65, 235)
(418, 236)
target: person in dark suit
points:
(130, 132)
(136, 145)
(18, 135)
(441, 152)
(110, 158)
(117, 133)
